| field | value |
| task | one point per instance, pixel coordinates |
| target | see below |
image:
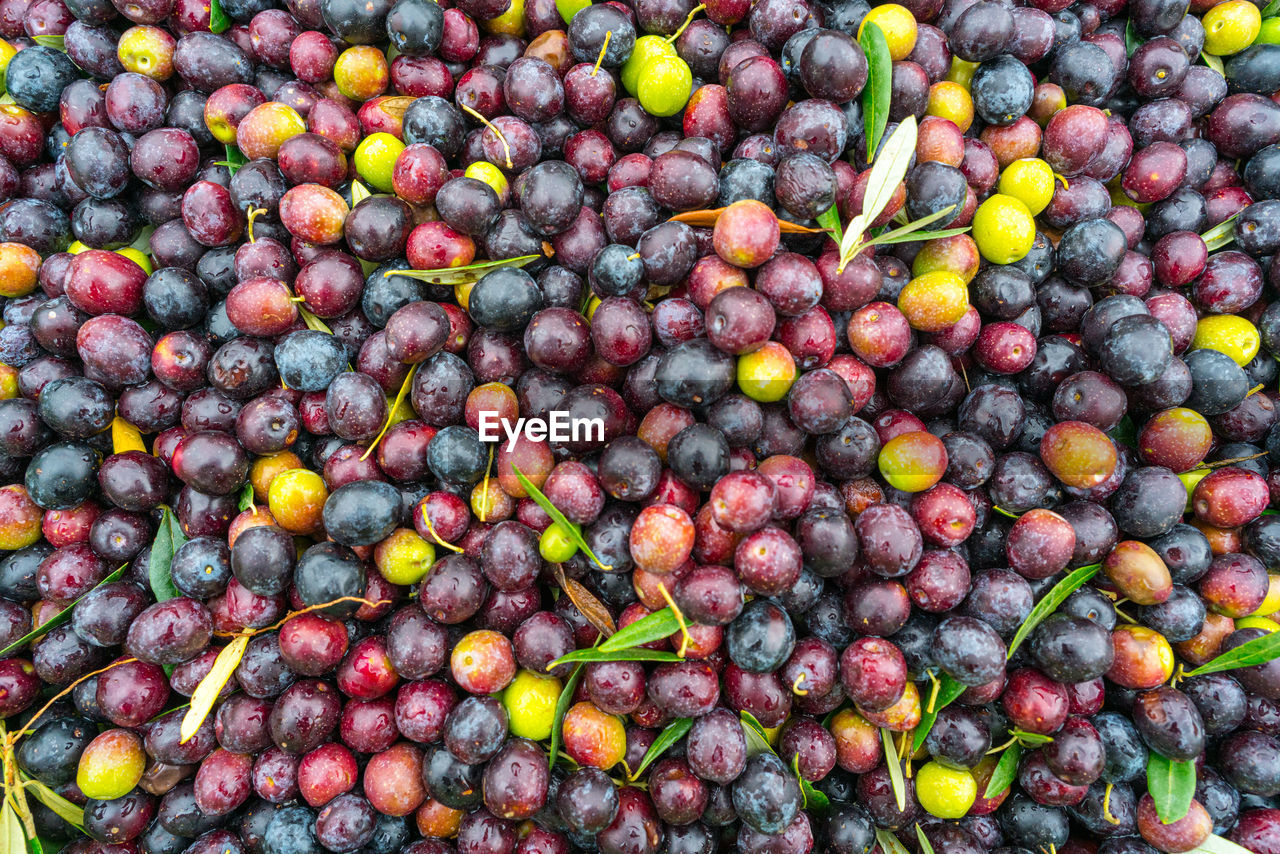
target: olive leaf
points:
(1271, 9)
(1260, 650)
(1217, 845)
(235, 159)
(219, 20)
(391, 411)
(359, 192)
(946, 693)
(878, 90)
(889, 844)
(245, 500)
(314, 323)
(12, 836)
(926, 847)
(753, 730)
(206, 693)
(1031, 739)
(1132, 41)
(586, 603)
(167, 542)
(60, 806)
(462, 275)
(887, 172)
(670, 734)
(1221, 234)
(909, 234)
(58, 42)
(1213, 62)
(1004, 512)
(1172, 785)
(562, 708)
(892, 762)
(1050, 602)
(830, 219)
(595, 654)
(708, 219)
(57, 619)
(575, 534)
(1006, 770)
(813, 799)
(647, 629)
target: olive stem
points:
(684, 628)
(608, 34)
(687, 21)
(506, 149)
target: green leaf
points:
(757, 741)
(462, 275)
(926, 847)
(887, 173)
(1171, 784)
(1031, 739)
(61, 807)
(1221, 234)
(218, 18)
(909, 234)
(36, 846)
(55, 42)
(235, 159)
(830, 218)
(672, 733)
(168, 540)
(1004, 512)
(143, 241)
(647, 629)
(1248, 654)
(1050, 602)
(1271, 9)
(596, 654)
(1005, 772)
(1126, 433)
(895, 770)
(12, 837)
(562, 709)
(57, 619)
(1132, 41)
(551, 510)
(1213, 62)
(813, 799)
(948, 690)
(245, 501)
(314, 323)
(890, 844)
(1217, 845)
(359, 192)
(879, 89)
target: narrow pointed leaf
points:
(57, 619)
(61, 807)
(948, 691)
(895, 770)
(1271, 9)
(314, 323)
(1218, 845)
(878, 91)
(206, 693)
(55, 42)
(359, 192)
(813, 799)
(1050, 602)
(553, 511)
(1221, 234)
(1005, 772)
(889, 844)
(245, 500)
(889, 169)
(12, 837)
(673, 732)
(1132, 41)
(757, 741)
(647, 629)
(1213, 62)
(926, 847)
(219, 21)
(1172, 785)
(701, 219)
(830, 220)
(1248, 654)
(596, 654)
(562, 708)
(167, 542)
(587, 603)
(912, 230)
(1031, 739)
(462, 275)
